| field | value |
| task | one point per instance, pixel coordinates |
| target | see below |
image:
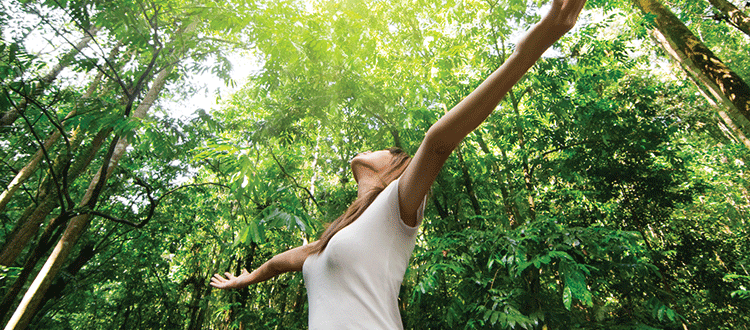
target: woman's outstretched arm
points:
(446, 134)
(289, 261)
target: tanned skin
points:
(441, 139)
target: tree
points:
(732, 14)
(161, 59)
(712, 75)
(604, 193)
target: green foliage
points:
(603, 193)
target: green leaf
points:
(523, 266)
(567, 297)
(4, 103)
(244, 235)
(560, 255)
(12, 50)
(671, 315)
(255, 232)
(487, 315)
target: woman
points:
(353, 273)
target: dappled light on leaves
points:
(607, 191)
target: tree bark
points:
(27, 170)
(21, 236)
(723, 83)
(43, 245)
(29, 223)
(734, 15)
(60, 283)
(707, 90)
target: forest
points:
(607, 190)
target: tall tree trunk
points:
(29, 223)
(442, 212)
(49, 236)
(126, 318)
(707, 89)
(723, 83)
(27, 227)
(56, 289)
(388, 124)
(22, 235)
(30, 302)
(734, 15)
(27, 170)
(514, 213)
(299, 300)
(8, 118)
(195, 301)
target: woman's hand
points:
(559, 20)
(562, 16)
(231, 282)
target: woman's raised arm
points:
(447, 133)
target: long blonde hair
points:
(396, 167)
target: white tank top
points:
(354, 282)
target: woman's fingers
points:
(217, 281)
(574, 8)
(564, 14)
(567, 8)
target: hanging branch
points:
(389, 124)
(158, 47)
(153, 202)
(52, 119)
(270, 151)
(131, 94)
(30, 99)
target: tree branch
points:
(153, 202)
(270, 151)
(43, 108)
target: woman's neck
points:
(367, 183)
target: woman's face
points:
(370, 163)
